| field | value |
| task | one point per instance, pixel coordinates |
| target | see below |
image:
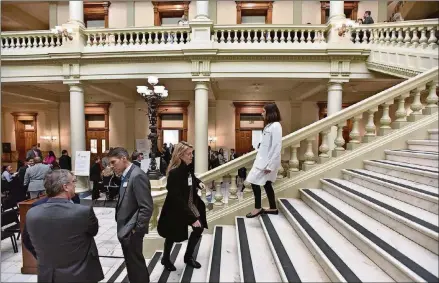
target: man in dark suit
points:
(65, 161)
(133, 212)
(61, 234)
(34, 152)
(137, 158)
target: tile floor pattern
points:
(110, 253)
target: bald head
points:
(37, 160)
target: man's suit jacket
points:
(31, 154)
(34, 177)
(62, 234)
(65, 162)
(135, 205)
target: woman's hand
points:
(196, 224)
(266, 171)
(202, 186)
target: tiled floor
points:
(110, 252)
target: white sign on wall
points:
(82, 163)
(142, 145)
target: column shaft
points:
(335, 104)
(336, 10)
(201, 126)
(202, 9)
(77, 120)
(76, 11)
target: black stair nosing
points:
(284, 259)
(215, 265)
(405, 166)
(405, 260)
(189, 270)
(394, 183)
(165, 274)
(153, 262)
(416, 151)
(117, 272)
(390, 208)
(246, 259)
(336, 261)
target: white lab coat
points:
(268, 156)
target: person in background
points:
(183, 21)
(137, 159)
(359, 21)
(233, 155)
(22, 170)
(71, 254)
(367, 18)
(171, 148)
(268, 161)
(221, 157)
(6, 173)
(65, 161)
(34, 177)
(209, 157)
(95, 177)
(34, 152)
(182, 208)
(50, 158)
(214, 161)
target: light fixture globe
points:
(152, 80)
(142, 89)
(159, 89)
(165, 93)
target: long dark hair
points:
(272, 113)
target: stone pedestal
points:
(414, 118)
(399, 124)
(337, 153)
(352, 146)
(385, 131)
(429, 110)
(307, 167)
(367, 139)
(158, 185)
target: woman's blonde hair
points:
(179, 150)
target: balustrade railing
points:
(414, 34)
(251, 34)
(137, 36)
(29, 40)
(370, 118)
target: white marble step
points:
(340, 259)
(401, 258)
(419, 195)
(413, 157)
(160, 274)
(224, 260)
(415, 173)
(256, 261)
(191, 274)
(416, 224)
(291, 254)
(424, 145)
(433, 134)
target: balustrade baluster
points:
(218, 193)
(248, 38)
(58, 41)
(387, 39)
(401, 112)
(275, 38)
(364, 39)
(400, 39)
(371, 36)
(432, 40)
(296, 38)
(247, 185)
(235, 36)
(416, 105)
(407, 38)
(149, 37)
(423, 40)
(268, 36)
(393, 39)
(355, 133)
(229, 37)
(302, 36)
(339, 141)
(222, 39)
(52, 41)
(137, 42)
(431, 99)
(282, 36)
(308, 36)
(289, 36)
(385, 120)
(294, 161)
(204, 197)
(415, 38)
(309, 155)
(324, 147)
(382, 40)
(156, 38)
(233, 190)
(242, 38)
(357, 36)
(370, 126)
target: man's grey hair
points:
(54, 181)
(118, 152)
(37, 159)
(105, 162)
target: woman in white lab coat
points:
(267, 162)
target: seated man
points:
(60, 234)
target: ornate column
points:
(336, 11)
(202, 10)
(76, 12)
(335, 104)
(201, 125)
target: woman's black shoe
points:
(192, 262)
(250, 215)
(275, 212)
(168, 265)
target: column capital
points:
(202, 83)
(72, 82)
(337, 81)
(75, 86)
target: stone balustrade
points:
(30, 40)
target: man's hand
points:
(196, 224)
(202, 186)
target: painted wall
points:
(117, 15)
(311, 12)
(191, 123)
(64, 126)
(226, 13)
(143, 14)
(62, 11)
(283, 12)
(225, 124)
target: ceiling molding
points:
(311, 92)
(110, 93)
(29, 97)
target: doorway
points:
(25, 132)
(97, 129)
(172, 122)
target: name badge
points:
(125, 184)
(189, 181)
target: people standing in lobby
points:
(34, 152)
(95, 177)
(233, 154)
(268, 160)
(182, 207)
(367, 18)
(133, 212)
(50, 158)
(65, 161)
(60, 234)
(221, 158)
(6, 173)
(137, 158)
(34, 177)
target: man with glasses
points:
(60, 234)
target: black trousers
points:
(194, 238)
(134, 260)
(270, 195)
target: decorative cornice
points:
(392, 70)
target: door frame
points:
(18, 116)
(98, 109)
(172, 107)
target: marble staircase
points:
(376, 224)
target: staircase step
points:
(414, 223)
(340, 259)
(202, 255)
(412, 157)
(161, 275)
(416, 173)
(433, 134)
(425, 145)
(419, 195)
(294, 261)
(256, 261)
(400, 257)
(224, 260)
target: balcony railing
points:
(26, 40)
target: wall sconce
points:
(62, 32)
(49, 138)
(211, 139)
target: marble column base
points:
(352, 146)
(323, 159)
(337, 153)
(307, 167)
(415, 117)
(367, 139)
(385, 131)
(399, 124)
(429, 110)
(292, 174)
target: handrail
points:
(319, 126)
(418, 23)
(138, 29)
(26, 32)
(271, 26)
